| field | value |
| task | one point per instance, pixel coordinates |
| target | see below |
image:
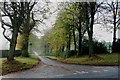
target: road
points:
(53, 69)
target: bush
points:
(99, 47)
(70, 53)
(117, 46)
(59, 54)
(85, 47)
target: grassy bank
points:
(19, 64)
(107, 59)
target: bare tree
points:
(14, 11)
(110, 18)
(114, 8)
(27, 25)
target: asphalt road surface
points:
(53, 69)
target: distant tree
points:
(31, 22)
(110, 18)
(114, 9)
(66, 22)
(75, 22)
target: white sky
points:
(3, 41)
(101, 34)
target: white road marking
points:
(105, 70)
(74, 73)
(60, 75)
(83, 72)
(77, 71)
(96, 71)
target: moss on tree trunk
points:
(25, 46)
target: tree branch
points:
(31, 7)
(4, 32)
(118, 25)
(6, 24)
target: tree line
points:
(18, 17)
(76, 20)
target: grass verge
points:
(19, 64)
(107, 60)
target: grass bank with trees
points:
(102, 60)
(73, 34)
(19, 64)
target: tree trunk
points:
(91, 48)
(114, 40)
(74, 39)
(91, 51)
(13, 44)
(25, 46)
(89, 25)
(80, 40)
(62, 48)
(114, 35)
(68, 41)
(26, 32)
(80, 45)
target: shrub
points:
(70, 53)
(99, 47)
(117, 46)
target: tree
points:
(57, 35)
(14, 11)
(66, 22)
(30, 22)
(27, 25)
(114, 8)
(80, 23)
(90, 11)
(71, 20)
(75, 10)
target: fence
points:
(4, 53)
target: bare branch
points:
(4, 32)
(4, 23)
(118, 25)
(31, 7)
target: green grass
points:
(20, 63)
(107, 59)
